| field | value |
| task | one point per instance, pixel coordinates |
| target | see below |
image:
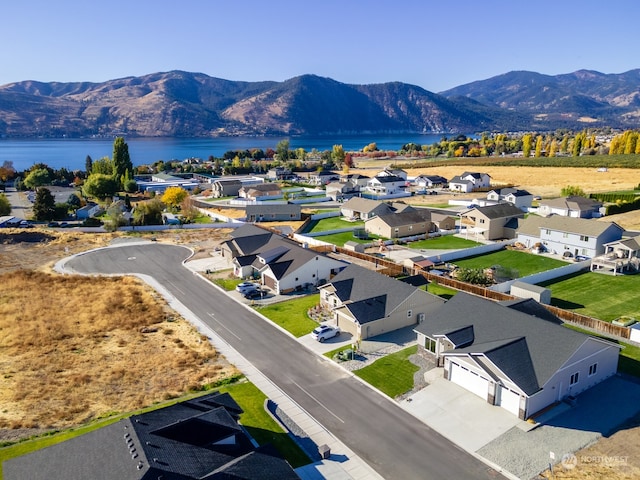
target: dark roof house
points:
(516, 355)
(196, 439)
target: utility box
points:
(324, 451)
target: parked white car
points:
(325, 332)
(245, 287)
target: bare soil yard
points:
(73, 350)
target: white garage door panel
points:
(469, 380)
(509, 400)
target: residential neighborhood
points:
(366, 275)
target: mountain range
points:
(184, 104)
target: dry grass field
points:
(73, 349)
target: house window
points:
(482, 220)
(593, 369)
(574, 378)
(396, 230)
(584, 238)
(430, 345)
(410, 227)
(547, 231)
(409, 313)
(565, 235)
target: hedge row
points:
(624, 207)
(614, 197)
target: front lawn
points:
(597, 295)
(392, 374)
(332, 223)
(292, 314)
(261, 426)
(443, 242)
(524, 263)
(228, 284)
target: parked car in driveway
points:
(325, 332)
(245, 287)
(253, 294)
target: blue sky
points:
(436, 45)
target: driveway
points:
(458, 414)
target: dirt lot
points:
(616, 458)
(95, 347)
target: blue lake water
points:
(71, 153)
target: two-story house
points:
(491, 222)
(387, 185)
(470, 181)
(567, 235)
(520, 198)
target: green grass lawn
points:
(340, 239)
(332, 223)
(392, 374)
(261, 426)
(258, 422)
(228, 284)
(444, 242)
(597, 295)
(292, 314)
(441, 291)
(524, 263)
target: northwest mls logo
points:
(569, 461)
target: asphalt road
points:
(385, 436)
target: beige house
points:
(262, 190)
(492, 222)
(365, 303)
(398, 225)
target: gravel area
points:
(525, 454)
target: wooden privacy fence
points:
(393, 269)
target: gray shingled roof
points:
(573, 202)
(369, 295)
(359, 204)
(410, 217)
(175, 442)
(581, 226)
(497, 332)
(499, 210)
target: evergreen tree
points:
(44, 206)
(88, 164)
(121, 159)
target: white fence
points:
(303, 239)
(470, 252)
(505, 287)
(320, 216)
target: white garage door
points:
(509, 400)
(469, 380)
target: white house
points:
(429, 181)
(567, 235)
(515, 355)
(519, 198)
(470, 181)
(281, 264)
(387, 185)
(573, 206)
(393, 172)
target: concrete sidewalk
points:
(343, 463)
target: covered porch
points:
(621, 256)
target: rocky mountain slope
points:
(183, 104)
